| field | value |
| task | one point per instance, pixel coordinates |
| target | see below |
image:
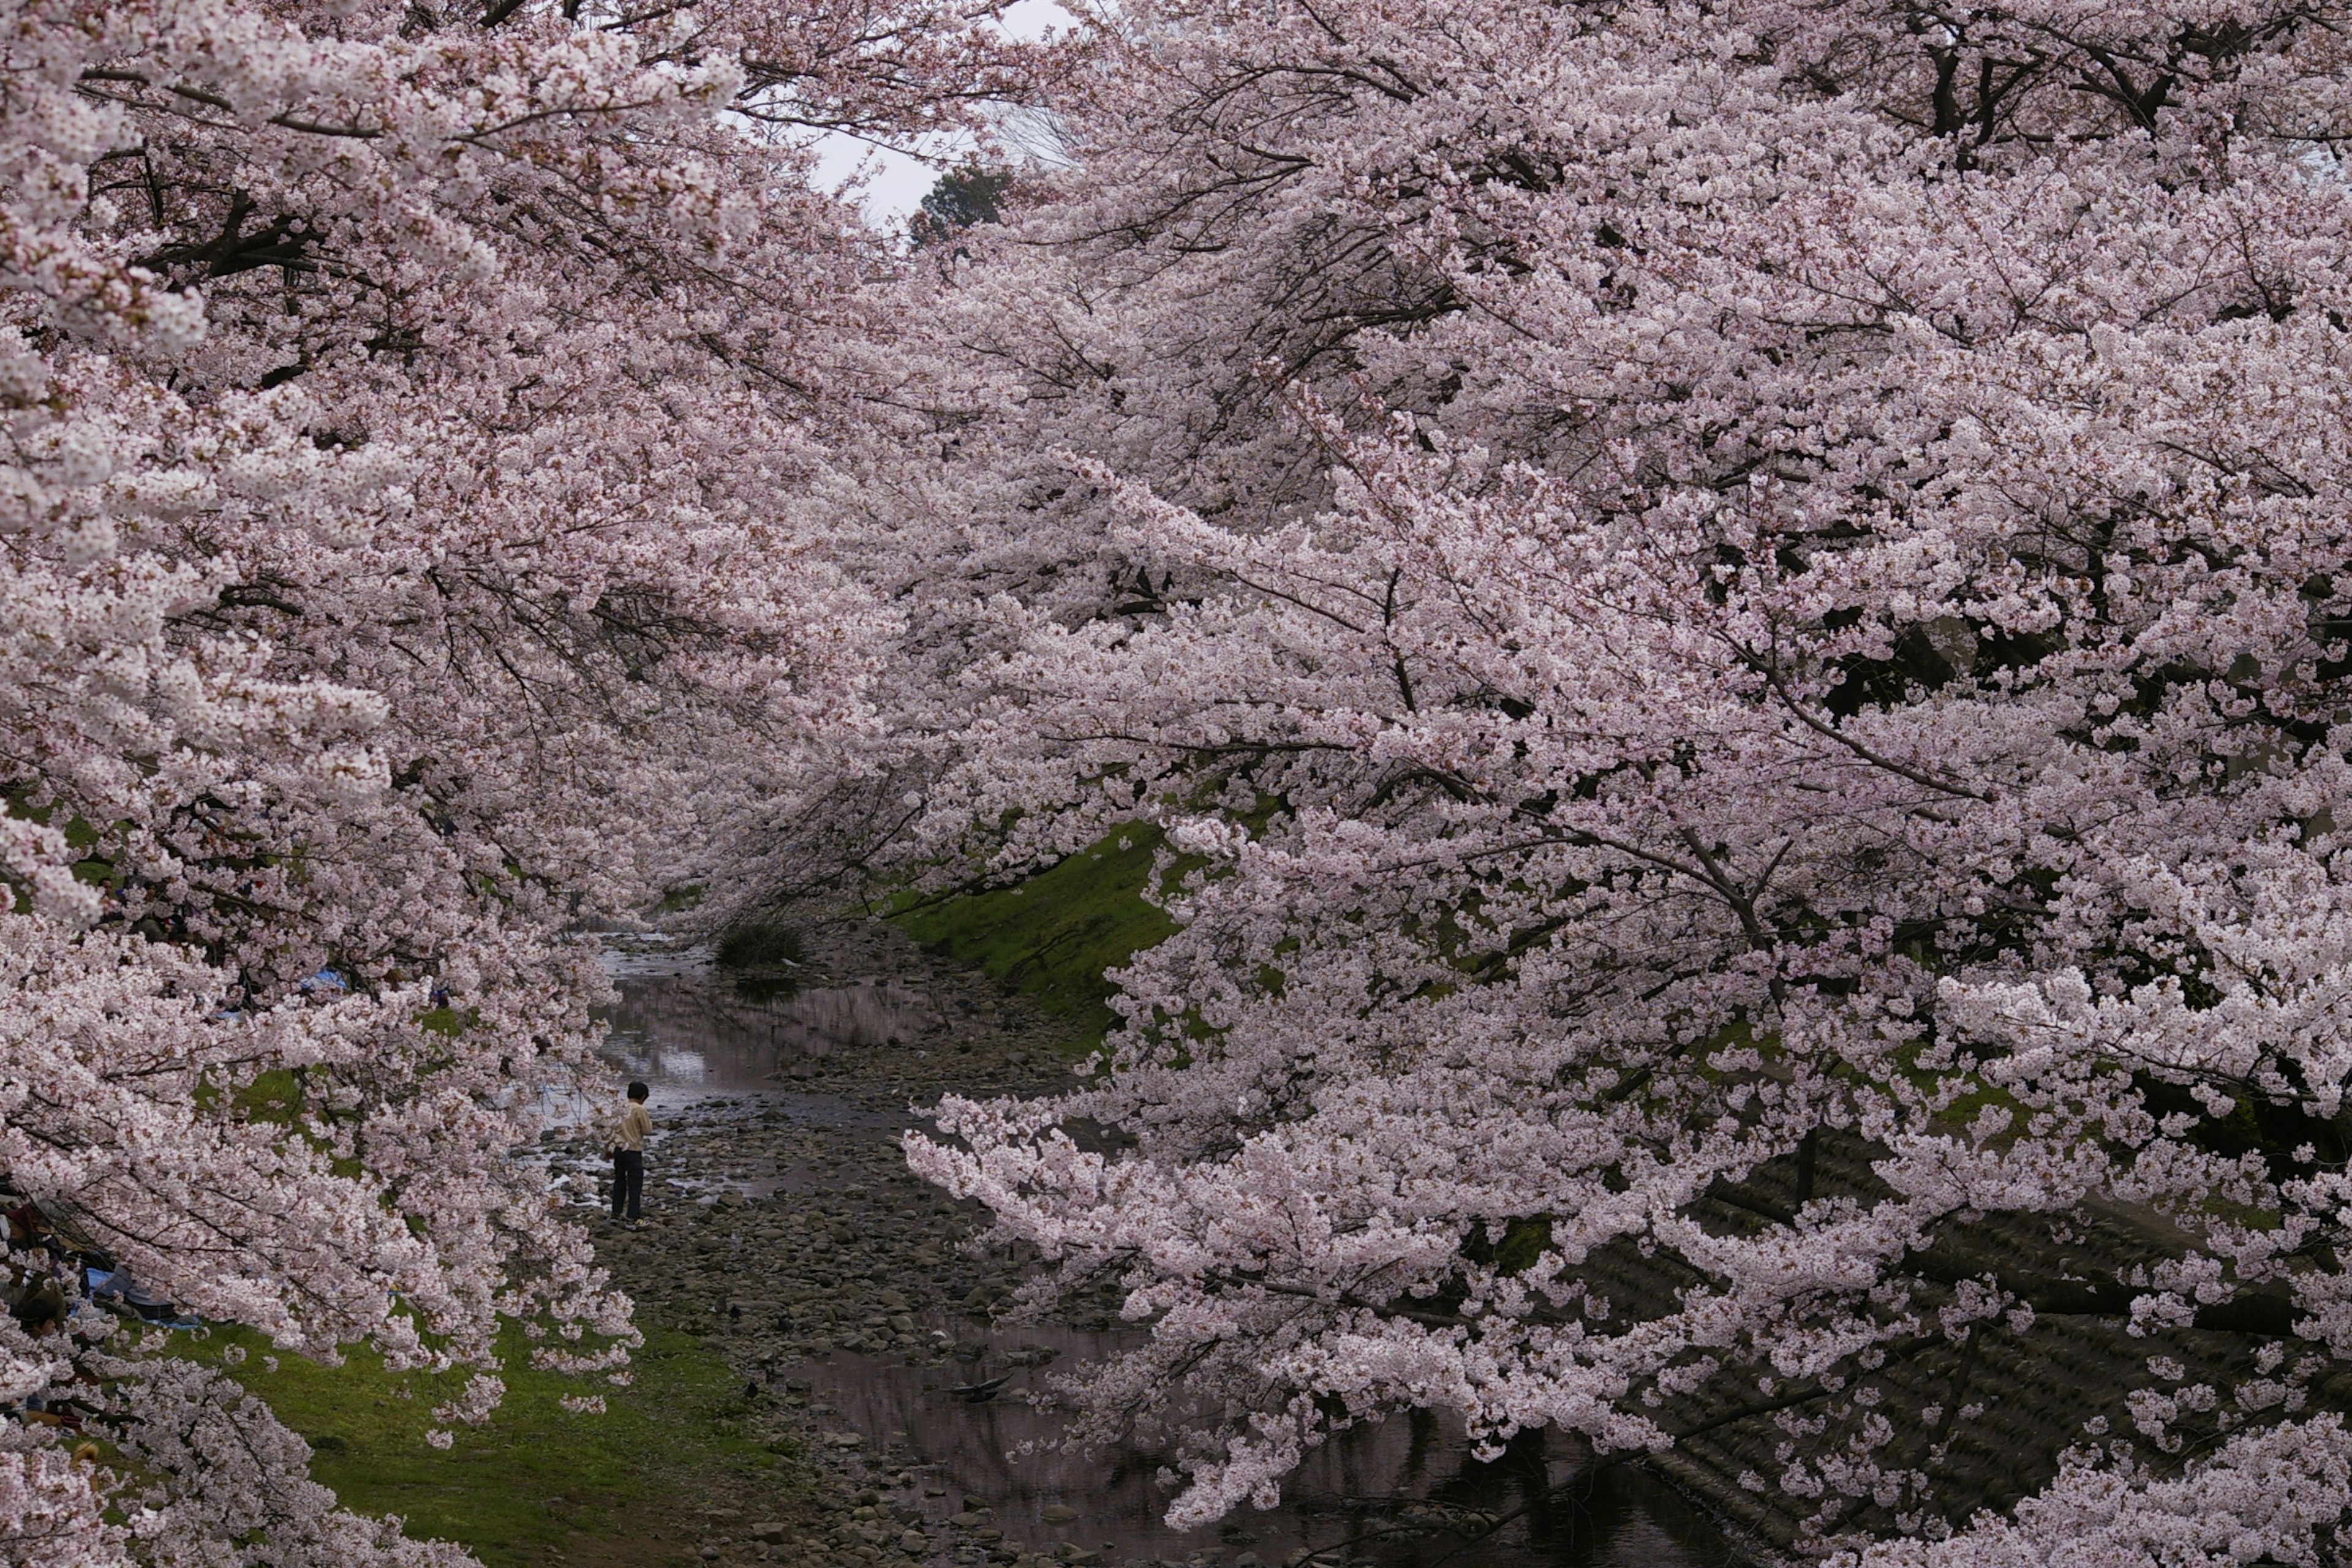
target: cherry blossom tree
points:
(417, 422)
(1737, 615)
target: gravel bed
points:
(782, 1227)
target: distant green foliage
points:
(96, 870)
(445, 1021)
(538, 1478)
(274, 1096)
(757, 944)
(1524, 1242)
(1053, 936)
(962, 197)
(683, 895)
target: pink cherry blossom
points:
(416, 423)
(1737, 617)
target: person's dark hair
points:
(638, 1092)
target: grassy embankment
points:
(1053, 936)
(538, 1484)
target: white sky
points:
(896, 182)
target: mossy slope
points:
(1053, 936)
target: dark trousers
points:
(628, 1181)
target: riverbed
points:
(782, 1225)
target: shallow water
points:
(689, 1034)
(1382, 1495)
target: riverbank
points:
(812, 1312)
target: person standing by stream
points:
(629, 1132)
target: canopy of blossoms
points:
(1737, 615)
(408, 422)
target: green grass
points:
(1053, 936)
(537, 1478)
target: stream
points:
(855, 1297)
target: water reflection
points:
(1404, 1493)
(689, 1033)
